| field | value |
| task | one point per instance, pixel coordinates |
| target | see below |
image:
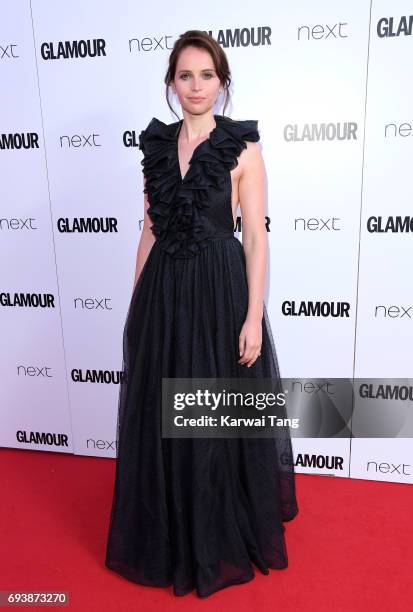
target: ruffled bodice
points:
(188, 213)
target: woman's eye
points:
(209, 75)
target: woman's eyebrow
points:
(203, 70)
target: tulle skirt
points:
(194, 513)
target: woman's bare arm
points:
(254, 236)
(254, 239)
(146, 241)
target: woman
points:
(195, 513)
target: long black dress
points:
(193, 513)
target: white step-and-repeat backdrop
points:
(330, 85)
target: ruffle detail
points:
(177, 206)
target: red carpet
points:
(350, 548)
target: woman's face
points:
(196, 82)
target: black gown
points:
(193, 513)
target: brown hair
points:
(202, 40)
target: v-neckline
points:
(182, 178)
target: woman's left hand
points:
(250, 341)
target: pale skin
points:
(196, 76)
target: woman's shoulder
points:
(156, 123)
(245, 129)
(232, 136)
(156, 133)
(237, 139)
